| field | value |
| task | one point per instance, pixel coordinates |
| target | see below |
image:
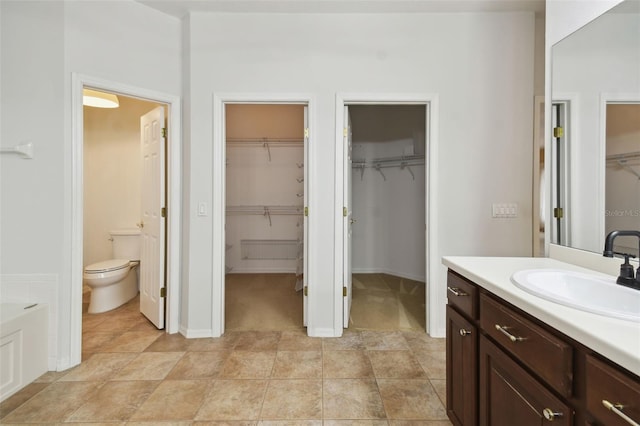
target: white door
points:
(348, 218)
(305, 235)
(153, 223)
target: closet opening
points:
(265, 224)
(387, 227)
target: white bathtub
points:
(23, 345)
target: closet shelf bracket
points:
(265, 144)
(377, 167)
(406, 166)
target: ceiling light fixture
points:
(93, 98)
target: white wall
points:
(112, 174)
(480, 65)
(602, 58)
(43, 43)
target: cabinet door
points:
(510, 396)
(613, 397)
(462, 371)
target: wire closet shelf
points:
(403, 162)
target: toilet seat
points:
(107, 266)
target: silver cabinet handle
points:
(617, 409)
(550, 415)
(456, 291)
(464, 332)
(503, 329)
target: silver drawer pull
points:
(503, 329)
(456, 291)
(550, 415)
(464, 332)
(617, 408)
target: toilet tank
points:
(126, 243)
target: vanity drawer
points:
(463, 295)
(605, 383)
(545, 354)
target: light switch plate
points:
(505, 210)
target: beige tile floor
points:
(134, 374)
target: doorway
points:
(622, 174)
(265, 226)
(124, 192)
(173, 204)
(386, 214)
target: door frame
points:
(173, 200)
(219, 189)
(605, 99)
(434, 293)
(569, 103)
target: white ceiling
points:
(180, 8)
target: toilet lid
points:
(107, 266)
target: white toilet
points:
(114, 282)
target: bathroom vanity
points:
(517, 359)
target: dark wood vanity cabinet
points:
(509, 395)
(462, 351)
(462, 356)
(506, 368)
(611, 395)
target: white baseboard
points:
(196, 333)
(439, 333)
(321, 332)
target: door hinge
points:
(558, 213)
(306, 211)
(344, 292)
(306, 132)
(345, 132)
(163, 212)
(163, 292)
(344, 212)
(558, 132)
(164, 132)
(306, 290)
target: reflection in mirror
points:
(593, 69)
(622, 194)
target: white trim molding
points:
(75, 207)
(607, 98)
(218, 196)
(435, 294)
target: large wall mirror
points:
(595, 149)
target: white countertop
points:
(615, 339)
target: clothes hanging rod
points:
(262, 209)
(265, 211)
(384, 160)
(383, 165)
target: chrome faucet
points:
(626, 276)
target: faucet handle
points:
(626, 270)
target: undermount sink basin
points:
(591, 293)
